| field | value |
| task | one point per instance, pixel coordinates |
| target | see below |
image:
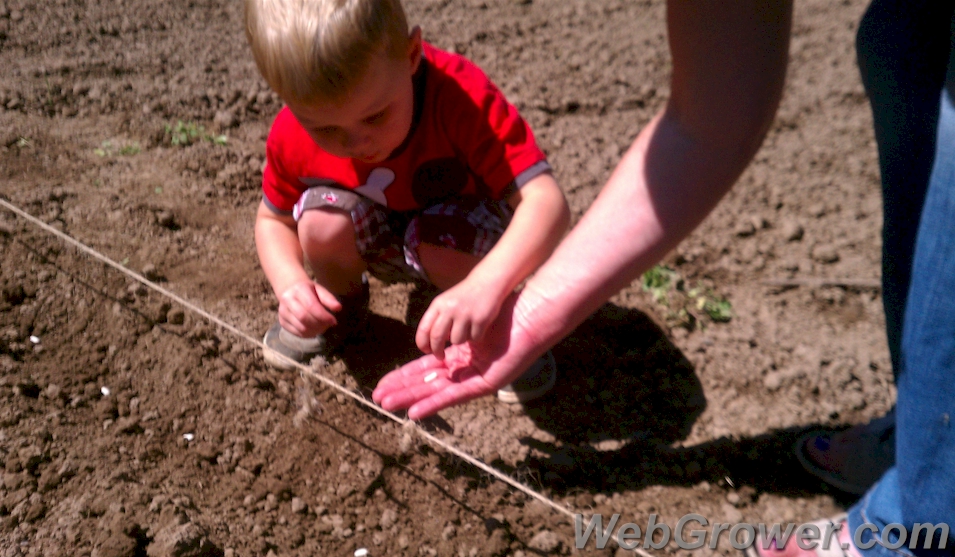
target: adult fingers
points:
(408, 374)
(451, 395)
(408, 395)
(431, 393)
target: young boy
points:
(395, 158)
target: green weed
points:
(687, 305)
(657, 281)
(186, 133)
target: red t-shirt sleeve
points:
(490, 134)
(281, 188)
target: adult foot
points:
(851, 460)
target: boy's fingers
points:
(327, 299)
(318, 315)
(461, 331)
(293, 316)
(477, 331)
(423, 335)
(440, 332)
(292, 325)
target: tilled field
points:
(131, 426)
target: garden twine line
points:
(305, 370)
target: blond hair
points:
(316, 50)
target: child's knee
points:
(445, 266)
(327, 231)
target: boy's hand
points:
(460, 314)
(305, 309)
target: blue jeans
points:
(907, 58)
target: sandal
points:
(851, 460)
(828, 545)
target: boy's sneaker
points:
(279, 342)
(535, 383)
(352, 320)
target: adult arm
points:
(729, 65)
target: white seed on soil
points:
(105, 390)
(34, 339)
(361, 552)
(188, 436)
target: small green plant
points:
(687, 305)
(183, 133)
(107, 149)
(186, 133)
(714, 306)
(657, 281)
(129, 150)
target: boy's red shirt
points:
(466, 139)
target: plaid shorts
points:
(388, 240)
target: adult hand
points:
(306, 309)
(462, 313)
(468, 371)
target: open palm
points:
(468, 371)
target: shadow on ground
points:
(624, 396)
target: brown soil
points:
(648, 415)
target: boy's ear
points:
(414, 48)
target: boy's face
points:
(375, 118)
